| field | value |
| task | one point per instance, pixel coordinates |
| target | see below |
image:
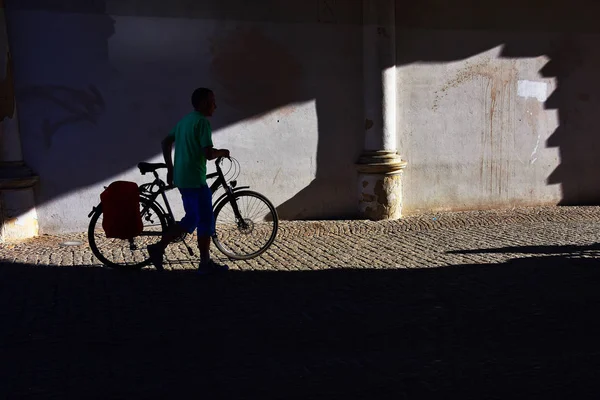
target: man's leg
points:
(171, 234)
(204, 246)
(205, 230)
(187, 224)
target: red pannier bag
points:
(121, 208)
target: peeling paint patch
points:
(537, 90)
(497, 74)
(383, 199)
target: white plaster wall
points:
(100, 91)
(99, 83)
(479, 124)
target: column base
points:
(380, 185)
(18, 217)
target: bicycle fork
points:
(241, 222)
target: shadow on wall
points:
(78, 105)
(476, 331)
(575, 63)
(61, 63)
(84, 121)
(574, 59)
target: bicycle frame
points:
(147, 191)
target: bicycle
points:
(239, 239)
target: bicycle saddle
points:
(149, 167)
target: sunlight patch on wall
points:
(276, 150)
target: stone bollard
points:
(18, 217)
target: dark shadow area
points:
(574, 63)
(255, 72)
(565, 249)
(524, 329)
(79, 105)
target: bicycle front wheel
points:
(247, 234)
(127, 254)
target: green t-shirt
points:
(192, 135)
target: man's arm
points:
(207, 144)
(211, 153)
(167, 147)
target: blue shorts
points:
(197, 204)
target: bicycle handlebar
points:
(219, 160)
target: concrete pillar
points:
(18, 217)
(380, 167)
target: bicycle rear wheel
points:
(117, 253)
(250, 236)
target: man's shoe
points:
(156, 256)
(211, 267)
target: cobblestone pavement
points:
(335, 309)
(422, 241)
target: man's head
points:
(203, 100)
